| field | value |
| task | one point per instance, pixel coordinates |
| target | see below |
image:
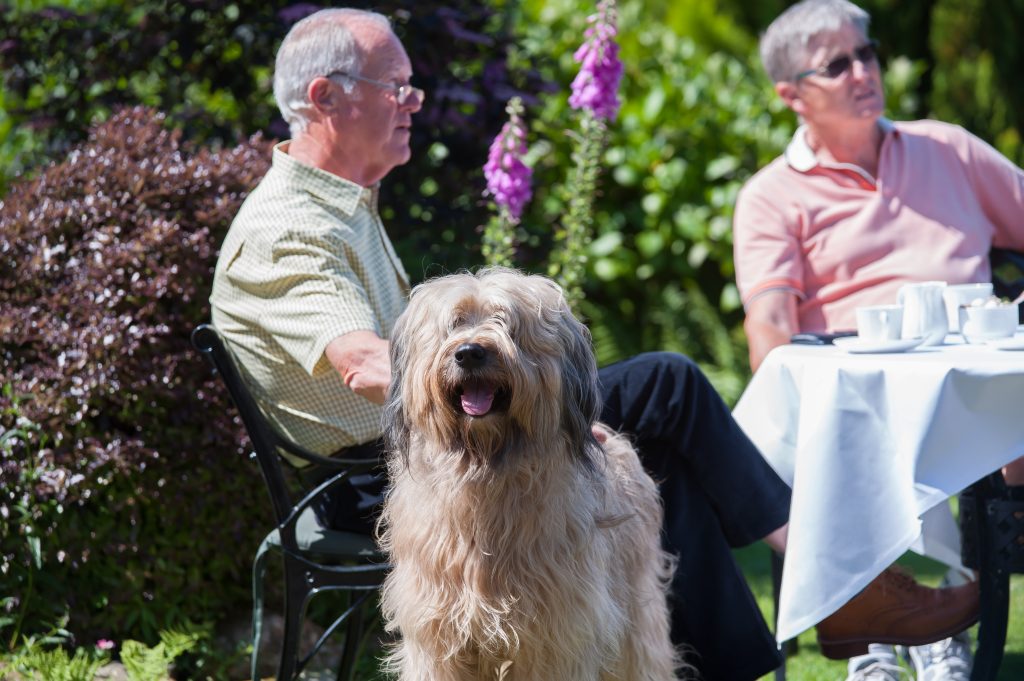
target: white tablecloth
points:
(872, 444)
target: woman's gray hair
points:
(316, 46)
(789, 39)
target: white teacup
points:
(879, 322)
(962, 294)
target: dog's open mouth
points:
(479, 397)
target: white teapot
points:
(924, 312)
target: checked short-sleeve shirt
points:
(307, 260)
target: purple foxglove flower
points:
(508, 178)
(596, 86)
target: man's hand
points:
(361, 357)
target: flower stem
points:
(569, 256)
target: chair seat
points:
(314, 538)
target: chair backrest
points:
(267, 442)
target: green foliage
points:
(45, 657)
(977, 56)
(498, 243)
(56, 664)
(26, 521)
(145, 663)
(68, 67)
(694, 125)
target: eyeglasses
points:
(402, 92)
(865, 54)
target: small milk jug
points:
(924, 312)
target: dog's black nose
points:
(470, 355)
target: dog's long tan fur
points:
(515, 537)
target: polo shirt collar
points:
(800, 156)
(338, 191)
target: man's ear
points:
(789, 94)
(321, 95)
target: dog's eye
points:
(505, 321)
(458, 321)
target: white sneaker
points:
(879, 664)
(946, 660)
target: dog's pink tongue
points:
(477, 398)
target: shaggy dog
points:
(523, 549)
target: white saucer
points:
(861, 345)
(1015, 343)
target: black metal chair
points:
(315, 559)
(992, 519)
(992, 529)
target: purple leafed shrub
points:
(122, 469)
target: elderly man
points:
(308, 288)
(858, 206)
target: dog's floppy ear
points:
(393, 421)
(579, 385)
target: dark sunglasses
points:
(865, 54)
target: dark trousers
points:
(718, 493)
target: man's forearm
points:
(771, 321)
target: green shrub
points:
(125, 500)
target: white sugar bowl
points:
(991, 321)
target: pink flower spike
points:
(508, 178)
(596, 86)
(105, 644)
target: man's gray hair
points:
(789, 40)
(316, 46)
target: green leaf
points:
(606, 244)
(721, 167)
(625, 175)
(650, 244)
(653, 104)
(35, 548)
(653, 203)
(605, 269)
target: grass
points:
(809, 665)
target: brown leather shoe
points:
(894, 608)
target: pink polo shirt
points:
(840, 239)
